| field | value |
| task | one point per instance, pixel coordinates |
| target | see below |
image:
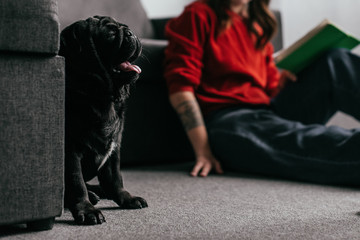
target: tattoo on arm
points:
(190, 114)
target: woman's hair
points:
(258, 13)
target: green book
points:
(322, 38)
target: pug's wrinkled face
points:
(116, 45)
(103, 47)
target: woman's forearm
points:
(189, 112)
(188, 109)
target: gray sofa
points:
(153, 132)
(32, 103)
(31, 114)
(230, 206)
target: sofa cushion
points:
(130, 12)
(29, 26)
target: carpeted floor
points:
(217, 207)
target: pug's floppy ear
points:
(70, 39)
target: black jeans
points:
(289, 139)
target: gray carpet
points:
(217, 207)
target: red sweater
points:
(223, 70)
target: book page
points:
(278, 56)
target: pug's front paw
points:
(85, 213)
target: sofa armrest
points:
(277, 41)
(151, 61)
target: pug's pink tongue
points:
(128, 67)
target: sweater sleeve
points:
(187, 35)
(273, 75)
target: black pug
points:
(98, 53)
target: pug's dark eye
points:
(110, 36)
(111, 31)
(128, 33)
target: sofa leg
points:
(41, 225)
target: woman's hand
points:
(285, 77)
(204, 164)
